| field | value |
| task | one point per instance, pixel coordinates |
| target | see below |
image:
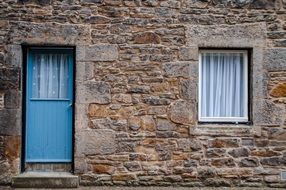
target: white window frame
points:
(245, 118)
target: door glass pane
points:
(223, 85)
(50, 76)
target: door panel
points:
(49, 106)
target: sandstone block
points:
(94, 92)
(95, 142)
(189, 54)
(103, 169)
(223, 143)
(164, 125)
(275, 59)
(279, 91)
(123, 177)
(177, 69)
(49, 33)
(95, 110)
(133, 166)
(267, 113)
(147, 38)
(188, 89)
(100, 52)
(181, 112)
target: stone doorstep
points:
(45, 180)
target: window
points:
(223, 86)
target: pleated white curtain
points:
(222, 85)
(50, 76)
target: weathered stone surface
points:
(49, 33)
(273, 161)
(9, 78)
(188, 89)
(100, 52)
(249, 162)
(262, 4)
(181, 112)
(133, 166)
(268, 113)
(189, 53)
(223, 143)
(226, 36)
(240, 152)
(164, 125)
(10, 122)
(177, 69)
(94, 92)
(264, 153)
(147, 38)
(103, 169)
(215, 152)
(279, 91)
(95, 142)
(155, 100)
(123, 177)
(223, 162)
(275, 59)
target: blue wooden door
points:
(49, 110)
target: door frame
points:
(25, 51)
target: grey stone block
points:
(100, 52)
(93, 92)
(9, 78)
(45, 180)
(275, 59)
(95, 142)
(177, 69)
(10, 122)
(265, 112)
(49, 33)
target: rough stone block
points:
(10, 122)
(100, 52)
(189, 53)
(147, 38)
(239, 35)
(14, 55)
(93, 92)
(181, 112)
(177, 69)
(95, 142)
(223, 143)
(267, 113)
(275, 59)
(188, 89)
(165, 125)
(49, 33)
(9, 78)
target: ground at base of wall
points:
(149, 188)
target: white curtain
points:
(222, 92)
(50, 76)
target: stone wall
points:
(136, 88)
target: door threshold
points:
(36, 179)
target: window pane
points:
(222, 85)
(50, 76)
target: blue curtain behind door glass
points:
(50, 76)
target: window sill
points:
(231, 130)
